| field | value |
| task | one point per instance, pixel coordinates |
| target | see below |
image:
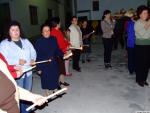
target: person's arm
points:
(28, 96)
(2, 111)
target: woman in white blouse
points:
(19, 51)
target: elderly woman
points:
(47, 48)
(19, 51)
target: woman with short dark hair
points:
(19, 51)
(63, 45)
(142, 48)
(47, 48)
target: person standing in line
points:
(142, 45)
(20, 52)
(76, 42)
(86, 37)
(131, 41)
(47, 48)
(107, 26)
(63, 45)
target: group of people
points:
(54, 48)
(50, 53)
(136, 30)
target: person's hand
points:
(147, 25)
(39, 72)
(85, 36)
(19, 74)
(32, 62)
(39, 100)
(22, 62)
(18, 71)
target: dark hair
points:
(84, 20)
(13, 23)
(54, 21)
(140, 9)
(73, 17)
(105, 13)
(44, 25)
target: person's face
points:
(58, 25)
(108, 16)
(84, 24)
(46, 32)
(144, 15)
(14, 32)
(74, 21)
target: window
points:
(50, 13)
(95, 5)
(33, 15)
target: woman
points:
(142, 45)
(107, 26)
(11, 92)
(131, 42)
(63, 45)
(47, 48)
(76, 42)
(19, 51)
(86, 37)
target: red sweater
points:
(62, 43)
(10, 67)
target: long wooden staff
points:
(48, 97)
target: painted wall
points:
(113, 5)
(20, 11)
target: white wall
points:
(113, 5)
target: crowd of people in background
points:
(130, 28)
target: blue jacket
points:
(131, 34)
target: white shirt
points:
(13, 53)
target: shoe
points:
(146, 83)
(59, 87)
(108, 65)
(65, 84)
(77, 69)
(88, 60)
(140, 84)
(83, 61)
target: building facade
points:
(93, 9)
(31, 13)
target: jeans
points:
(25, 83)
